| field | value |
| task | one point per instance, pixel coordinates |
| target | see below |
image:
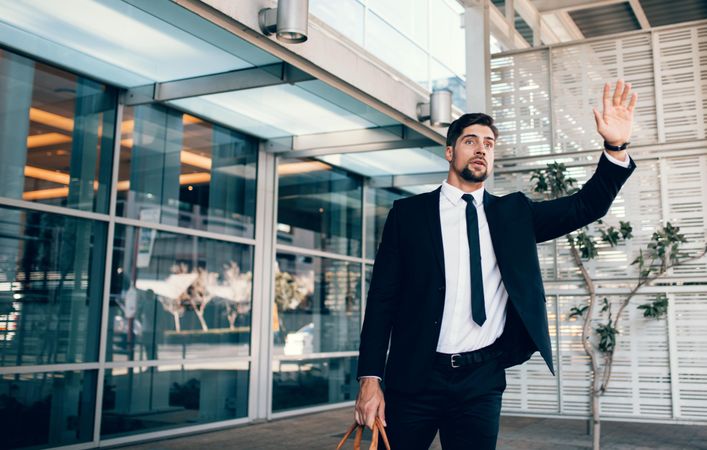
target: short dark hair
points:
(456, 128)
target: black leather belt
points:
(457, 360)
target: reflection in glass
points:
(378, 203)
(140, 399)
(409, 17)
(396, 49)
(317, 305)
(179, 170)
(51, 284)
(308, 382)
(56, 135)
(47, 409)
(319, 207)
(345, 16)
(443, 78)
(175, 296)
(447, 43)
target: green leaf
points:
(586, 245)
(607, 337)
(610, 235)
(655, 309)
(626, 229)
(577, 311)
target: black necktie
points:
(478, 311)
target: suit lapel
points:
(490, 211)
(435, 224)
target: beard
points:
(468, 175)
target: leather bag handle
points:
(378, 428)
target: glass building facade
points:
(161, 270)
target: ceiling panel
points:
(605, 20)
(661, 12)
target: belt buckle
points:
(455, 365)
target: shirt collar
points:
(454, 194)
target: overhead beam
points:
(569, 24)
(549, 6)
(640, 14)
(541, 33)
(353, 141)
(235, 80)
(499, 28)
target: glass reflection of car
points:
(301, 342)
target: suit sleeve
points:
(383, 295)
(555, 218)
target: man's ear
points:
(449, 153)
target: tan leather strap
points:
(384, 436)
(377, 428)
(346, 436)
(357, 440)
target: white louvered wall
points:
(542, 102)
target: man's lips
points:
(478, 162)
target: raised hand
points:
(615, 122)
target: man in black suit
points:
(456, 291)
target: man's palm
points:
(615, 122)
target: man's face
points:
(472, 156)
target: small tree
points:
(662, 253)
(239, 285)
(198, 295)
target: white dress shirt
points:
(459, 333)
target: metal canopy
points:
(235, 80)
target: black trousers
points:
(463, 403)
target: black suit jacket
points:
(407, 290)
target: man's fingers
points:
(357, 417)
(607, 96)
(598, 118)
(625, 93)
(632, 103)
(370, 419)
(617, 92)
(381, 413)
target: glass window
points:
(378, 203)
(308, 382)
(317, 305)
(443, 78)
(319, 207)
(140, 399)
(176, 296)
(345, 16)
(396, 49)
(51, 409)
(408, 17)
(179, 170)
(56, 135)
(51, 285)
(447, 43)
